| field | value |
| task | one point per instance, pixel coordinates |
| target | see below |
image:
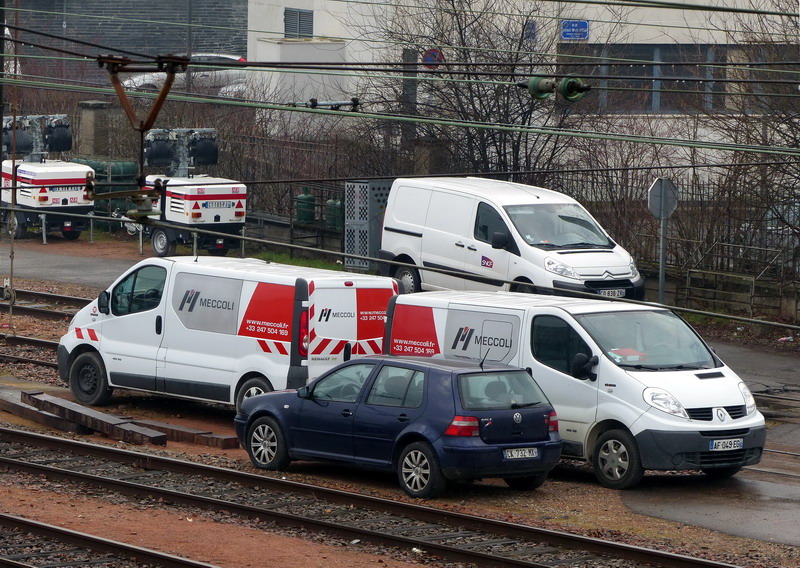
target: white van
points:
(635, 388)
(489, 231)
(221, 330)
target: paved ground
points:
(747, 505)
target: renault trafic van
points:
(220, 330)
(634, 386)
(487, 232)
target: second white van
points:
(485, 232)
(634, 386)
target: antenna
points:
(484, 359)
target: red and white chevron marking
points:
(86, 333)
(269, 346)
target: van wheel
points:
(161, 243)
(266, 445)
(616, 460)
(409, 279)
(419, 472)
(523, 287)
(87, 380)
(251, 387)
(527, 483)
(722, 472)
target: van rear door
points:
(346, 319)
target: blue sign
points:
(574, 29)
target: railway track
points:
(43, 305)
(446, 534)
(29, 544)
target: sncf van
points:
(487, 231)
(221, 330)
(635, 388)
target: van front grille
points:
(707, 413)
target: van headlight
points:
(634, 270)
(749, 401)
(559, 268)
(665, 402)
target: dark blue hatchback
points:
(429, 420)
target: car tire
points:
(722, 472)
(70, 235)
(217, 251)
(527, 483)
(409, 279)
(88, 381)
(419, 472)
(15, 225)
(266, 445)
(616, 460)
(251, 387)
(161, 244)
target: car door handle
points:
(346, 413)
(472, 247)
(459, 244)
(403, 418)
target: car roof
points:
(448, 365)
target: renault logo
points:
(517, 418)
(720, 415)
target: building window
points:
(298, 23)
(649, 78)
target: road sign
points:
(662, 198)
(574, 30)
(432, 58)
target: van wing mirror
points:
(582, 366)
(499, 240)
(102, 303)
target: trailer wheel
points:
(88, 381)
(15, 226)
(71, 235)
(161, 243)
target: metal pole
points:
(662, 252)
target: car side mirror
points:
(102, 303)
(582, 366)
(302, 392)
(499, 240)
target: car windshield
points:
(648, 340)
(557, 225)
(499, 390)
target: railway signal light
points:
(571, 88)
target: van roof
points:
(253, 267)
(497, 191)
(518, 300)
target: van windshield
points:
(557, 225)
(648, 340)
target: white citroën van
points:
(489, 231)
(634, 386)
(220, 330)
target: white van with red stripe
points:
(47, 187)
(634, 386)
(200, 202)
(220, 330)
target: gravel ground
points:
(569, 501)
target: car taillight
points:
(302, 347)
(552, 421)
(463, 426)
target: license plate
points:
(612, 292)
(517, 453)
(725, 445)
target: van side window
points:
(139, 291)
(488, 222)
(554, 343)
(396, 386)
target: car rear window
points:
(499, 390)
